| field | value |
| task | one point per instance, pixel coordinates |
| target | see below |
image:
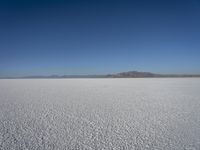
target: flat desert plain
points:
(100, 114)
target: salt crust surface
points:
(144, 113)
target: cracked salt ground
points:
(100, 114)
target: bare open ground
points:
(100, 114)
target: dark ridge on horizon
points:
(128, 74)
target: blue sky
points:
(99, 36)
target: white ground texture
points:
(100, 114)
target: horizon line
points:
(111, 75)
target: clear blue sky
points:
(99, 36)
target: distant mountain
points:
(137, 74)
(129, 74)
(134, 74)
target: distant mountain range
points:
(137, 74)
(129, 74)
